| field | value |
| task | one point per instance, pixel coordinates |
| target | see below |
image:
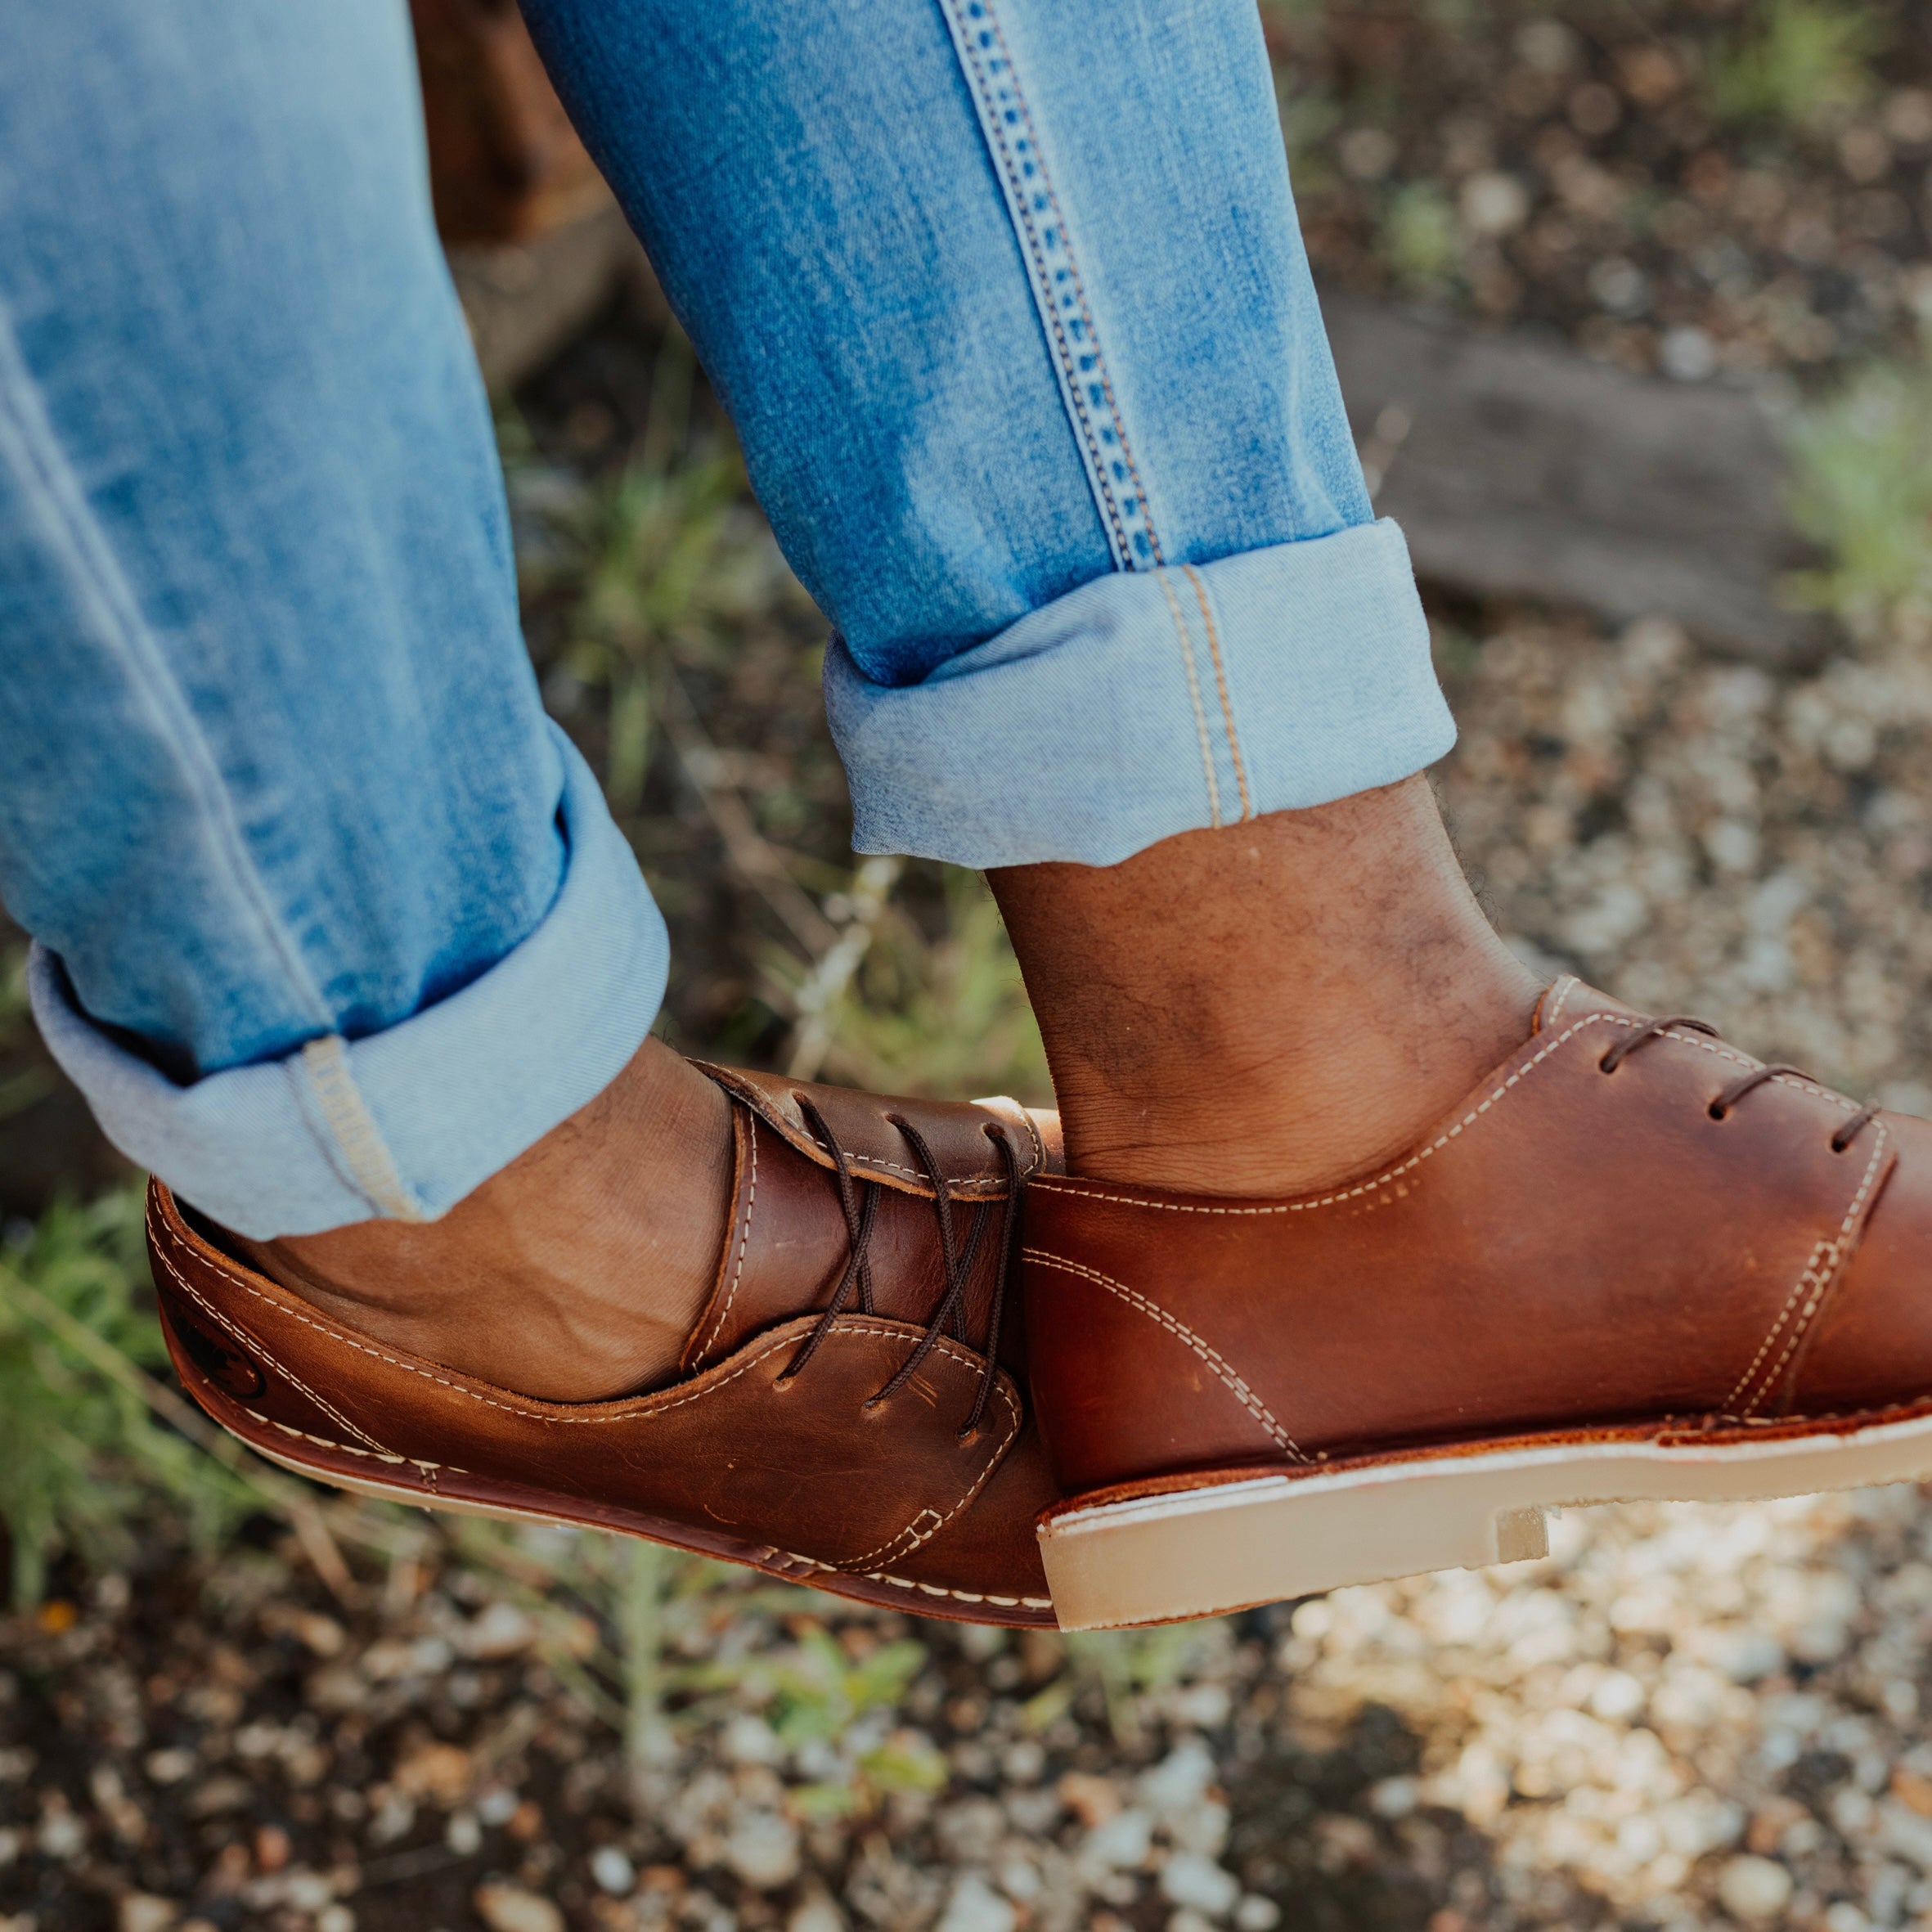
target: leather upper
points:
(1572, 1250)
(804, 1475)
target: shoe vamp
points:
(1574, 1248)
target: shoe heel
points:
(1223, 1547)
(1522, 1535)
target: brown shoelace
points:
(1848, 1130)
(956, 1261)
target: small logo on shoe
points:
(226, 1366)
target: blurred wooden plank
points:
(1518, 468)
(526, 300)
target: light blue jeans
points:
(1007, 301)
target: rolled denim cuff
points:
(404, 1123)
(1151, 702)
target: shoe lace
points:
(1848, 1129)
(956, 1259)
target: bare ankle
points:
(578, 1271)
(1269, 1008)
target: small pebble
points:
(510, 1908)
(1753, 1888)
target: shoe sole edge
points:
(1217, 1543)
(505, 1503)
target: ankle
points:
(1283, 1109)
(1270, 1008)
(578, 1271)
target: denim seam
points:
(1220, 679)
(1187, 659)
(1021, 209)
(371, 1166)
(95, 575)
(30, 440)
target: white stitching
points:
(872, 1556)
(1214, 1358)
(1014, 1418)
(745, 1235)
(1833, 1252)
(1033, 1134)
(1071, 1185)
(247, 1342)
(843, 1326)
(1564, 987)
(1822, 1252)
(872, 1576)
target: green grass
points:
(84, 1460)
(1799, 65)
(1418, 238)
(947, 1016)
(1861, 459)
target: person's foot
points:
(1629, 1262)
(800, 1351)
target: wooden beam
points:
(1518, 467)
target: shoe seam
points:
(1832, 1255)
(249, 1341)
(993, 1462)
(842, 1327)
(1069, 1184)
(898, 1582)
(1236, 1384)
(1022, 207)
(745, 1235)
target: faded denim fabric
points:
(1007, 300)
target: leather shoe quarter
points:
(1574, 1249)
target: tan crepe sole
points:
(1218, 1541)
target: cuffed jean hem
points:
(405, 1122)
(1151, 702)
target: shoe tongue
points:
(787, 1243)
(1566, 998)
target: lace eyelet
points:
(1609, 1063)
(1840, 1147)
(1717, 1112)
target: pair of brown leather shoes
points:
(1634, 1263)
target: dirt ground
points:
(1683, 1719)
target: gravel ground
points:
(1598, 173)
(1684, 1717)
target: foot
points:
(575, 1272)
(839, 1401)
(1629, 1261)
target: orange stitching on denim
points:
(1187, 655)
(1220, 679)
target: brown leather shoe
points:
(849, 1413)
(1635, 1263)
